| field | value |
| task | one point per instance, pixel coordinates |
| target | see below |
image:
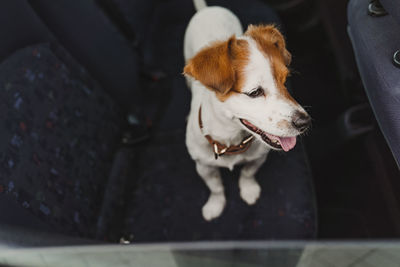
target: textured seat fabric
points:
(169, 195)
(374, 40)
(59, 131)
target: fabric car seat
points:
(70, 77)
(60, 129)
(166, 205)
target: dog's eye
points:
(256, 93)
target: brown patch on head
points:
(220, 66)
(272, 44)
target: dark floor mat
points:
(350, 199)
(166, 205)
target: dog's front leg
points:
(216, 202)
(249, 188)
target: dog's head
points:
(248, 76)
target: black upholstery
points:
(20, 27)
(83, 29)
(374, 40)
(392, 7)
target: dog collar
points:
(221, 149)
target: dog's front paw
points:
(250, 191)
(214, 206)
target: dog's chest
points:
(202, 151)
(230, 161)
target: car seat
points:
(373, 28)
(75, 160)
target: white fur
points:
(208, 25)
(199, 4)
(265, 112)
(221, 119)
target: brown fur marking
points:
(283, 124)
(220, 67)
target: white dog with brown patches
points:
(240, 107)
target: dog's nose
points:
(301, 121)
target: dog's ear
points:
(213, 66)
(267, 36)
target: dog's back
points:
(209, 24)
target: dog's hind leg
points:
(249, 188)
(216, 202)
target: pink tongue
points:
(287, 143)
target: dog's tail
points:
(199, 4)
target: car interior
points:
(93, 116)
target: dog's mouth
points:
(277, 142)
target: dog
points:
(240, 108)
